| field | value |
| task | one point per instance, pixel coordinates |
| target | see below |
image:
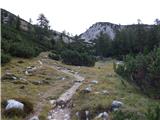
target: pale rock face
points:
(103, 27)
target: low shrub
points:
(143, 70)
(153, 113)
(5, 58)
(54, 56)
(125, 115)
(76, 58)
(22, 50)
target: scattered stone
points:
(100, 115)
(49, 117)
(63, 78)
(10, 76)
(36, 82)
(29, 70)
(76, 73)
(14, 104)
(105, 92)
(40, 82)
(94, 81)
(40, 62)
(61, 103)
(26, 72)
(119, 62)
(22, 79)
(87, 89)
(20, 82)
(116, 104)
(96, 92)
(103, 115)
(79, 81)
(34, 118)
(87, 115)
(77, 114)
(52, 101)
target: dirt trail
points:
(59, 113)
(62, 109)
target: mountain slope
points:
(105, 27)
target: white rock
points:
(66, 116)
(34, 118)
(14, 104)
(105, 116)
(87, 112)
(63, 78)
(40, 62)
(116, 104)
(119, 62)
(14, 78)
(94, 81)
(26, 72)
(105, 92)
(52, 101)
(49, 117)
(100, 115)
(88, 89)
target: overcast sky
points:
(75, 16)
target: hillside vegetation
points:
(125, 68)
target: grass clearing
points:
(133, 100)
(34, 93)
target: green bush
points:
(22, 50)
(54, 56)
(153, 113)
(143, 70)
(5, 58)
(121, 115)
(76, 58)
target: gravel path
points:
(62, 109)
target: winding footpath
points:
(62, 109)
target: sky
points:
(76, 16)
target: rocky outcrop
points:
(107, 28)
(104, 27)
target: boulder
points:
(14, 104)
(103, 115)
(116, 104)
(34, 118)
